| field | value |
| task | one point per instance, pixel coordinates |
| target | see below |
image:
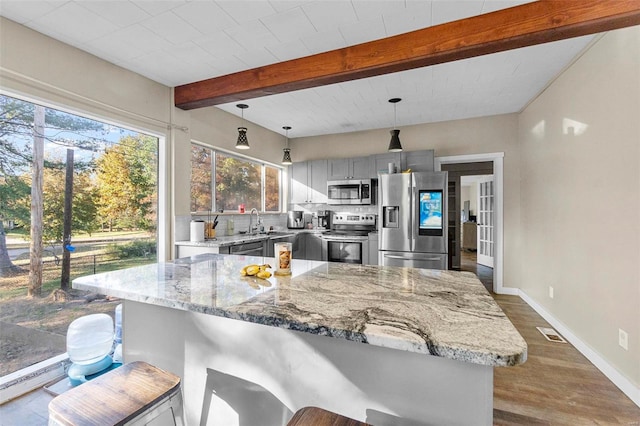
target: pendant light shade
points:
(286, 158)
(394, 144)
(243, 142)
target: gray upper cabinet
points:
(360, 167)
(418, 161)
(348, 168)
(308, 182)
(338, 168)
(379, 163)
(318, 181)
(309, 178)
(299, 187)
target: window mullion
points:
(214, 161)
(263, 187)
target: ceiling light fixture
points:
(286, 158)
(243, 142)
(394, 144)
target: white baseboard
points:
(625, 385)
(510, 291)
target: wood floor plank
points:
(557, 385)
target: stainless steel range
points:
(349, 232)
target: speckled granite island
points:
(385, 345)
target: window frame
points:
(263, 174)
(27, 379)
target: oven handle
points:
(342, 240)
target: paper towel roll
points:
(197, 231)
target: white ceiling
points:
(181, 41)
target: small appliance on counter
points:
(295, 220)
(196, 231)
(324, 219)
(307, 220)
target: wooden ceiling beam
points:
(525, 25)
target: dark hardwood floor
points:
(557, 385)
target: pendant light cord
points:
(395, 117)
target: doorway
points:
(497, 161)
(457, 224)
(476, 239)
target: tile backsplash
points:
(278, 220)
(240, 223)
(312, 208)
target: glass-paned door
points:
(486, 219)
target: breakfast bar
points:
(384, 345)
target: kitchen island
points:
(386, 345)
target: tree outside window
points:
(237, 181)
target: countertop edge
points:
(228, 240)
(457, 354)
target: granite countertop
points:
(228, 240)
(441, 313)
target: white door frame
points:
(498, 172)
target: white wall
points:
(43, 68)
(580, 198)
(470, 192)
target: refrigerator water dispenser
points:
(391, 215)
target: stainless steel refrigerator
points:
(413, 220)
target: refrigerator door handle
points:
(412, 209)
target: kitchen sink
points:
(278, 233)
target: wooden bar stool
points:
(314, 416)
(135, 393)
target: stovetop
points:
(359, 219)
(349, 225)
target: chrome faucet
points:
(251, 220)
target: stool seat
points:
(135, 392)
(314, 416)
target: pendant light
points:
(242, 143)
(394, 144)
(286, 158)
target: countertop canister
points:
(197, 231)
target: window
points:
(109, 175)
(222, 181)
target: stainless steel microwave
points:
(351, 191)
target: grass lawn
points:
(34, 329)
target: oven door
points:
(344, 251)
